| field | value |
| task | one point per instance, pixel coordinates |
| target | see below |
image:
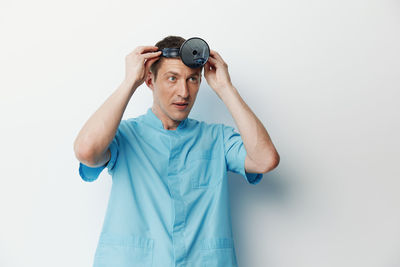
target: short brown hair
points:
(170, 41)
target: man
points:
(169, 203)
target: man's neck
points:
(167, 122)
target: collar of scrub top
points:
(155, 121)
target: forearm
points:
(255, 137)
(99, 130)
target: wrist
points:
(130, 85)
(226, 91)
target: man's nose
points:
(183, 90)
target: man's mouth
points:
(181, 105)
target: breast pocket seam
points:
(204, 156)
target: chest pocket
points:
(202, 168)
(123, 251)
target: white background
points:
(322, 76)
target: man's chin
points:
(181, 115)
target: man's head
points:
(173, 82)
(167, 42)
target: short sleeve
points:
(90, 174)
(235, 155)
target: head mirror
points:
(194, 52)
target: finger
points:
(141, 49)
(144, 49)
(150, 62)
(213, 53)
(206, 68)
(212, 61)
(217, 56)
(151, 54)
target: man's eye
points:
(171, 78)
(193, 79)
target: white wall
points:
(323, 77)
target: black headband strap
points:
(170, 52)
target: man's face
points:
(175, 89)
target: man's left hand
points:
(216, 73)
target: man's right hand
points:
(138, 62)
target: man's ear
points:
(150, 80)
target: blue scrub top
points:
(169, 203)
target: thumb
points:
(206, 68)
(149, 62)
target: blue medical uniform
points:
(169, 203)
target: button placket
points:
(174, 184)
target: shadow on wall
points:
(251, 206)
(272, 188)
